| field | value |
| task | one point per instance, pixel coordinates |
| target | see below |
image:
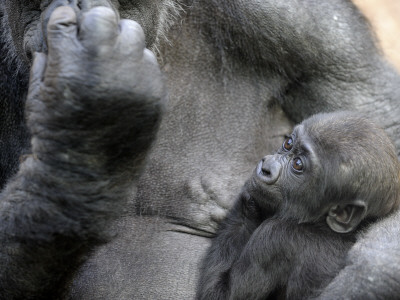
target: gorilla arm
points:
(372, 270)
(81, 116)
(323, 49)
(278, 259)
(226, 247)
(328, 54)
(262, 266)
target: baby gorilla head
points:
(338, 167)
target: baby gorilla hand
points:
(98, 93)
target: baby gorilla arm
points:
(277, 259)
(226, 248)
(285, 259)
(96, 97)
(247, 258)
(263, 264)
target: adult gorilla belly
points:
(145, 261)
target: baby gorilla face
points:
(339, 167)
(290, 181)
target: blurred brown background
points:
(384, 16)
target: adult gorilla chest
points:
(215, 128)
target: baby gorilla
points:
(299, 214)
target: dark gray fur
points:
(238, 74)
(281, 240)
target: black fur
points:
(279, 239)
(13, 134)
(239, 74)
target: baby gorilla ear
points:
(345, 218)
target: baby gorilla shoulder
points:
(299, 213)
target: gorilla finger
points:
(37, 73)
(62, 23)
(99, 28)
(132, 38)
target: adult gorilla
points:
(238, 74)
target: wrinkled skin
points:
(238, 74)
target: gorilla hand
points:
(98, 92)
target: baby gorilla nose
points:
(269, 169)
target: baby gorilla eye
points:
(297, 164)
(288, 144)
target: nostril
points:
(266, 172)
